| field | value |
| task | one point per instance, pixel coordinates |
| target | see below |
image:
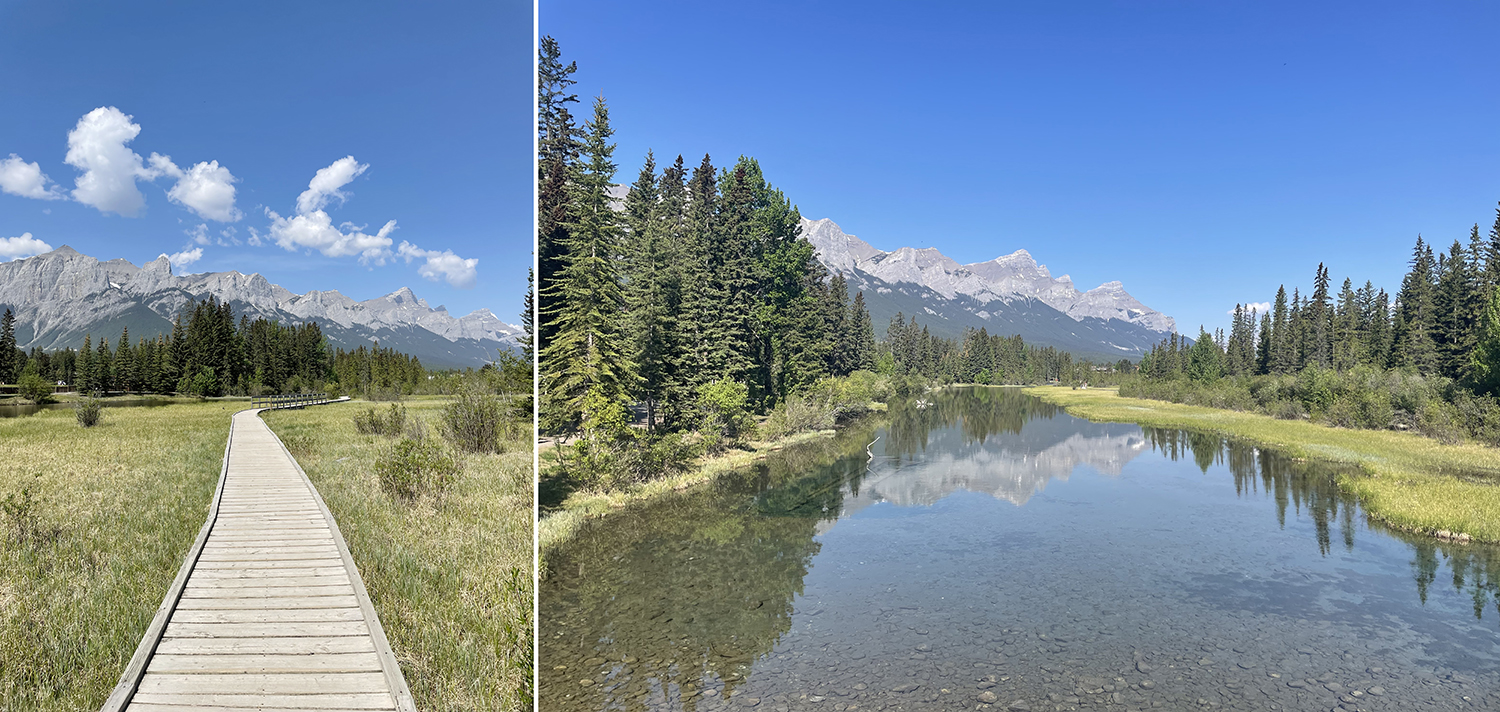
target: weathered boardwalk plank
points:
(271, 613)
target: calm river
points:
(997, 553)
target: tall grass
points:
(98, 521)
(449, 576)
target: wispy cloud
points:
(445, 265)
(1257, 307)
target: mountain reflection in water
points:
(678, 603)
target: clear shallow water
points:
(997, 551)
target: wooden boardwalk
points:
(269, 612)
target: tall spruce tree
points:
(584, 366)
(1283, 346)
(557, 153)
(8, 367)
(1413, 345)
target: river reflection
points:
(980, 541)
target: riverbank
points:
(1411, 482)
(450, 577)
(557, 527)
(94, 527)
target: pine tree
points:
(862, 335)
(1413, 346)
(1347, 351)
(1318, 315)
(584, 366)
(1283, 347)
(557, 153)
(86, 382)
(1263, 349)
(1457, 308)
(647, 266)
(1483, 372)
(8, 361)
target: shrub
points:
(372, 422)
(415, 467)
(475, 421)
(724, 411)
(32, 386)
(89, 411)
(653, 457)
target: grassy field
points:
(1412, 482)
(84, 564)
(451, 579)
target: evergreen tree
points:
(647, 271)
(1263, 347)
(1319, 349)
(861, 335)
(557, 153)
(1457, 308)
(8, 361)
(1413, 345)
(1283, 347)
(1483, 372)
(584, 365)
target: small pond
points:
(17, 411)
(990, 551)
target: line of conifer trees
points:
(209, 354)
(980, 357)
(1444, 322)
(696, 277)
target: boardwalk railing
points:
(291, 400)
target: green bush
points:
(475, 422)
(89, 411)
(724, 413)
(32, 386)
(415, 467)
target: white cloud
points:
(199, 233)
(316, 231)
(24, 246)
(312, 228)
(186, 257)
(27, 180)
(254, 238)
(228, 236)
(96, 146)
(326, 184)
(206, 188)
(444, 265)
(1257, 307)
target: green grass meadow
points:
(449, 576)
(86, 559)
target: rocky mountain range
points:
(1010, 294)
(60, 296)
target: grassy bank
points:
(450, 578)
(582, 505)
(1412, 482)
(88, 554)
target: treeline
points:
(980, 357)
(698, 277)
(211, 354)
(1429, 359)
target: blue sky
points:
(417, 113)
(1202, 153)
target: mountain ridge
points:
(61, 295)
(1011, 294)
